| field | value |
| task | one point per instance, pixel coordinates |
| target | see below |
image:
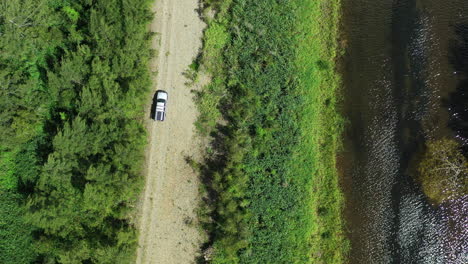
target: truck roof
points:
(161, 95)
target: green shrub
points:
(15, 234)
(7, 171)
(278, 138)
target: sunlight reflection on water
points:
(396, 73)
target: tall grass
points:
(273, 194)
(322, 125)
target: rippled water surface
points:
(397, 75)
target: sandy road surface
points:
(171, 189)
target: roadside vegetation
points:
(73, 80)
(271, 184)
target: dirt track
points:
(171, 188)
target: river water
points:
(398, 74)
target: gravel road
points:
(171, 189)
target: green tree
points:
(15, 234)
(443, 171)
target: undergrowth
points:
(272, 193)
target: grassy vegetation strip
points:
(322, 125)
(273, 184)
(74, 77)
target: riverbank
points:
(323, 125)
(272, 184)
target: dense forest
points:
(271, 185)
(73, 79)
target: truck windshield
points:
(161, 101)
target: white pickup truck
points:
(161, 101)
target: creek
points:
(400, 73)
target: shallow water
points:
(398, 75)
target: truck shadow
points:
(153, 107)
